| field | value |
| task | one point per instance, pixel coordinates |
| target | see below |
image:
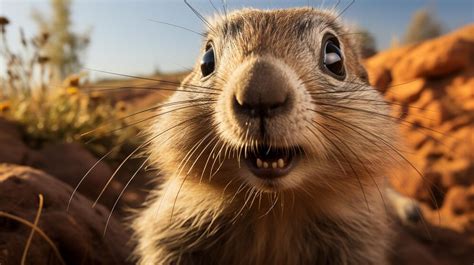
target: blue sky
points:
(124, 40)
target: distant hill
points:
(140, 91)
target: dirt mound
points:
(138, 92)
(77, 234)
(13, 148)
(431, 89)
(69, 162)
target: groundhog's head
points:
(277, 101)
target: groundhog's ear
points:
(360, 69)
(354, 54)
(363, 74)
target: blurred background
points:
(79, 81)
(124, 38)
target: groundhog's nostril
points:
(256, 104)
(264, 91)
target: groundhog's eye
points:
(208, 61)
(332, 58)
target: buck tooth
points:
(265, 165)
(274, 165)
(259, 163)
(281, 163)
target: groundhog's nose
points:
(263, 90)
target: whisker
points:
(255, 192)
(345, 9)
(101, 89)
(247, 197)
(359, 87)
(242, 186)
(168, 104)
(198, 15)
(338, 15)
(164, 81)
(272, 206)
(87, 174)
(209, 156)
(189, 171)
(130, 155)
(190, 153)
(381, 115)
(381, 102)
(192, 119)
(118, 169)
(202, 151)
(153, 117)
(224, 6)
(178, 26)
(227, 186)
(392, 148)
(215, 159)
(344, 157)
(217, 169)
(214, 6)
(121, 193)
(365, 168)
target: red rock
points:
(461, 92)
(387, 59)
(433, 115)
(434, 84)
(461, 142)
(439, 57)
(380, 78)
(454, 172)
(460, 201)
(406, 92)
(463, 121)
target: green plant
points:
(65, 48)
(367, 44)
(423, 26)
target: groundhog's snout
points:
(263, 90)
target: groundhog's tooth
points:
(265, 165)
(274, 165)
(281, 163)
(259, 163)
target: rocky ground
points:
(431, 89)
(430, 86)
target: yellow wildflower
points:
(5, 106)
(72, 90)
(121, 106)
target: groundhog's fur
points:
(328, 210)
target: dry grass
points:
(32, 233)
(55, 110)
(65, 113)
(34, 228)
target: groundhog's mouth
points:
(271, 163)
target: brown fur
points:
(329, 210)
